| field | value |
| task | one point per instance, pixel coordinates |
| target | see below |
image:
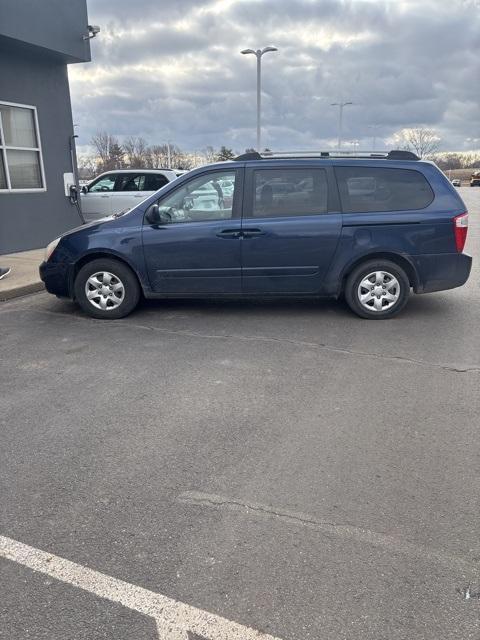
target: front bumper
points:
(441, 271)
(56, 277)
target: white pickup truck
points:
(115, 191)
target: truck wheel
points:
(377, 289)
(106, 289)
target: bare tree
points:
(102, 142)
(161, 154)
(109, 152)
(180, 159)
(157, 156)
(422, 141)
(186, 161)
(137, 152)
(210, 154)
(87, 167)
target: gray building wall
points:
(38, 38)
(55, 25)
(32, 220)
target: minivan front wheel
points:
(106, 289)
(377, 289)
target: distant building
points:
(38, 39)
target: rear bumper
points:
(56, 277)
(441, 271)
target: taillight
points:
(460, 226)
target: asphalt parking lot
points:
(281, 466)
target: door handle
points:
(251, 233)
(104, 196)
(229, 233)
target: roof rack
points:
(395, 154)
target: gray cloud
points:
(177, 72)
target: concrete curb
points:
(17, 292)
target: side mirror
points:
(153, 214)
(156, 216)
(84, 189)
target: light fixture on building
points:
(93, 30)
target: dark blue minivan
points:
(371, 227)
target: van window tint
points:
(289, 192)
(368, 189)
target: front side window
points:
(207, 197)
(289, 192)
(370, 189)
(105, 183)
(20, 152)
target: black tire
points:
(352, 291)
(125, 300)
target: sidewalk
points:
(24, 277)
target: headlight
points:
(51, 248)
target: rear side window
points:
(154, 181)
(368, 189)
(128, 182)
(289, 192)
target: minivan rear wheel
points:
(106, 289)
(377, 289)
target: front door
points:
(197, 250)
(290, 229)
(96, 202)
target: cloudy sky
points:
(173, 70)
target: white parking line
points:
(174, 619)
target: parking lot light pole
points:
(374, 128)
(259, 53)
(340, 106)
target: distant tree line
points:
(134, 152)
(426, 142)
(447, 161)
